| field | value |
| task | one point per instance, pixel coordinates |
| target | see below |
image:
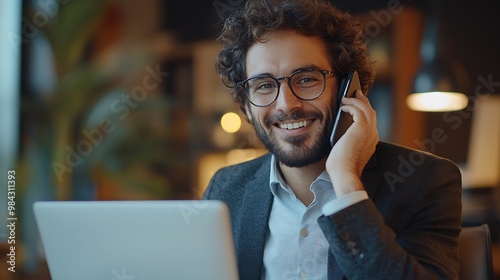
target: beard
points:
(299, 154)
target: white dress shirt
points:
(295, 246)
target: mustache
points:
(295, 115)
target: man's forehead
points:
(284, 52)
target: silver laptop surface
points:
(139, 240)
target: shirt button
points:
(344, 235)
(304, 232)
(304, 274)
(355, 252)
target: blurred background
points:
(119, 100)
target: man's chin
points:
(295, 162)
(294, 142)
(294, 151)
(297, 156)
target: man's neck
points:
(299, 179)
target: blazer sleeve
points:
(423, 244)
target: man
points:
(307, 210)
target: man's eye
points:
(265, 87)
(307, 79)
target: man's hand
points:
(353, 150)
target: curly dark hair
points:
(342, 34)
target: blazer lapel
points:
(371, 176)
(255, 210)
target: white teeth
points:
(294, 125)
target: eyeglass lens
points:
(306, 85)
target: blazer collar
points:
(371, 176)
(256, 205)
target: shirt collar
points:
(276, 180)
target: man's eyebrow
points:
(261, 74)
(308, 66)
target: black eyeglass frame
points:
(278, 80)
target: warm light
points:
(210, 163)
(230, 122)
(240, 155)
(437, 101)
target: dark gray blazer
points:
(408, 229)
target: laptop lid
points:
(125, 240)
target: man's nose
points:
(286, 100)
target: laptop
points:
(137, 240)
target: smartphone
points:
(343, 120)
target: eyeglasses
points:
(306, 84)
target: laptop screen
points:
(137, 240)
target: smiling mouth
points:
(294, 125)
